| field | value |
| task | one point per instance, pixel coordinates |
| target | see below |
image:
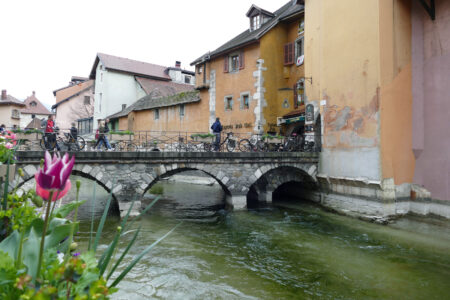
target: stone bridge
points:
(241, 175)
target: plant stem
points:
(75, 215)
(19, 255)
(44, 231)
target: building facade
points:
(251, 81)
(10, 110)
(75, 104)
(33, 109)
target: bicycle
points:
(229, 143)
(68, 141)
(254, 144)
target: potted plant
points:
(272, 139)
(203, 137)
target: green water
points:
(289, 251)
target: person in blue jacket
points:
(217, 129)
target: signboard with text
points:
(309, 114)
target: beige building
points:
(33, 109)
(75, 103)
(10, 110)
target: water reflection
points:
(288, 251)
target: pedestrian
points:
(101, 136)
(2, 129)
(217, 129)
(73, 137)
(108, 145)
(50, 135)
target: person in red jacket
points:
(51, 135)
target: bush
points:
(157, 189)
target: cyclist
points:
(73, 137)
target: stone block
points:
(117, 188)
(258, 173)
(99, 176)
(86, 169)
(225, 180)
(30, 170)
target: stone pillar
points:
(265, 196)
(238, 202)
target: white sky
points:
(45, 42)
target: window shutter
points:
(225, 64)
(241, 104)
(289, 53)
(295, 96)
(241, 60)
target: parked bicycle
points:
(229, 143)
(253, 144)
(67, 141)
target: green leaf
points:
(89, 259)
(124, 253)
(102, 221)
(31, 252)
(10, 245)
(92, 216)
(138, 258)
(66, 209)
(58, 234)
(103, 263)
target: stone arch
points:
(164, 171)
(269, 178)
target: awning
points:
(294, 120)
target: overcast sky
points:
(43, 43)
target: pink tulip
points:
(56, 172)
(45, 194)
(8, 145)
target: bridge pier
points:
(265, 196)
(237, 202)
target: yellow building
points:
(10, 110)
(251, 81)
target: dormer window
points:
(256, 22)
(33, 104)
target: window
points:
(199, 70)
(299, 93)
(245, 101)
(87, 100)
(187, 79)
(229, 103)
(289, 53)
(156, 114)
(33, 104)
(256, 22)
(233, 62)
(299, 51)
(15, 114)
(85, 125)
(182, 110)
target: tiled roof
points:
(129, 66)
(39, 109)
(154, 100)
(71, 91)
(10, 100)
(164, 88)
(248, 36)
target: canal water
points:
(291, 250)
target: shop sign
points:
(309, 114)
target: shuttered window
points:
(289, 54)
(241, 60)
(225, 64)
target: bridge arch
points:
(302, 177)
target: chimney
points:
(4, 97)
(178, 64)
(34, 93)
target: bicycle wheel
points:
(231, 145)
(80, 143)
(50, 145)
(245, 145)
(208, 147)
(131, 147)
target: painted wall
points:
(116, 89)
(74, 109)
(430, 89)
(278, 78)
(6, 113)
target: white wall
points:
(25, 119)
(116, 89)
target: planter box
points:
(204, 139)
(119, 137)
(274, 141)
(12, 172)
(35, 136)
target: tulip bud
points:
(42, 163)
(20, 172)
(119, 228)
(73, 246)
(78, 184)
(37, 200)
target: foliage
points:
(126, 132)
(157, 189)
(27, 131)
(271, 137)
(5, 154)
(202, 135)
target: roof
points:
(163, 88)
(295, 113)
(10, 100)
(153, 100)
(129, 66)
(69, 92)
(36, 123)
(248, 37)
(39, 109)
